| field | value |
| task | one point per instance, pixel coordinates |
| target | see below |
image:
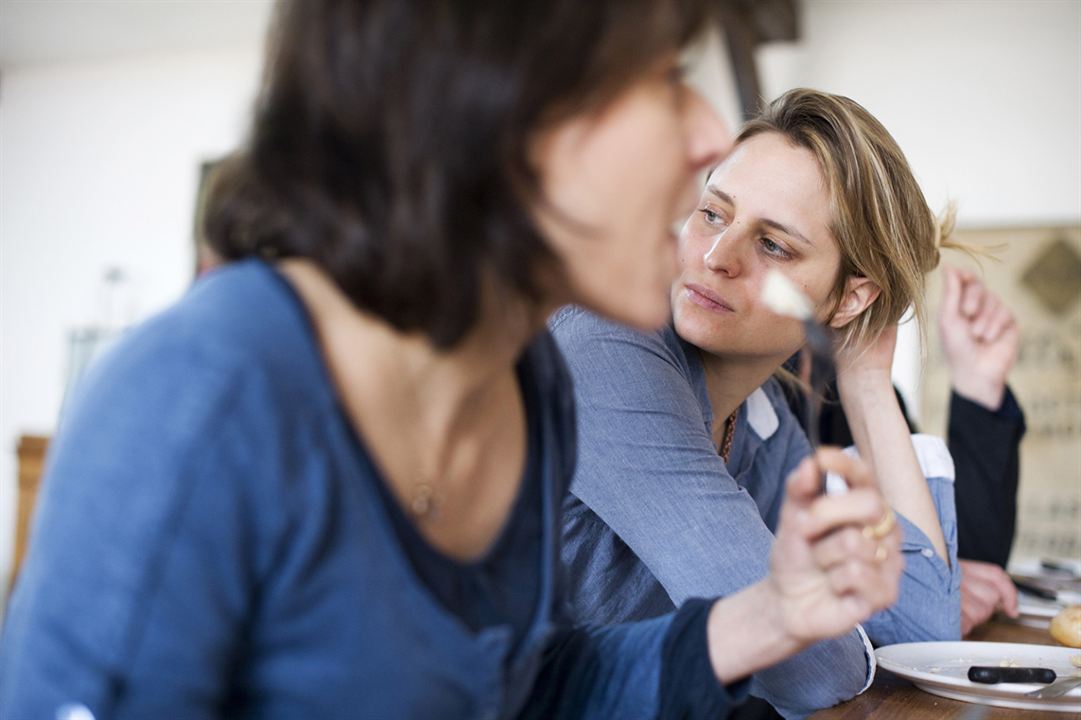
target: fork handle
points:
(1057, 688)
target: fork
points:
(1056, 689)
(818, 362)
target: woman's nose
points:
(723, 255)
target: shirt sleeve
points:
(929, 600)
(985, 445)
(106, 585)
(648, 468)
(655, 668)
(689, 686)
(928, 605)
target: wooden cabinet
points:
(31, 451)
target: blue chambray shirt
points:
(655, 516)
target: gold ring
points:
(882, 528)
(881, 553)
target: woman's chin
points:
(691, 320)
(706, 331)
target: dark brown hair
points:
(390, 141)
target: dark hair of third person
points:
(391, 141)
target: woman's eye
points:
(772, 248)
(711, 217)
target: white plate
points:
(941, 668)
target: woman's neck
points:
(730, 381)
(362, 350)
(446, 429)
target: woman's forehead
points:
(769, 168)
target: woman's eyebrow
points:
(780, 227)
(720, 194)
(787, 230)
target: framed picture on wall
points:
(1037, 273)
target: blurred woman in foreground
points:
(327, 482)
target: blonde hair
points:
(880, 219)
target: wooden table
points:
(891, 696)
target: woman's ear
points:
(859, 293)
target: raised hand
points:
(980, 338)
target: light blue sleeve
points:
(928, 606)
(649, 470)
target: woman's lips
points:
(706, 298)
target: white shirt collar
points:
(761, 415)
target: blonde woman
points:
(685, 438)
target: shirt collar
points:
(761, 415)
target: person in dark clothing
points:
(980, 341)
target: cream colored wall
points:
(985, 97)
(98, 168)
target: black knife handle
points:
(990, 674)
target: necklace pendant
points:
(424, 501)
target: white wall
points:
(984, 97)
(98, 167)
